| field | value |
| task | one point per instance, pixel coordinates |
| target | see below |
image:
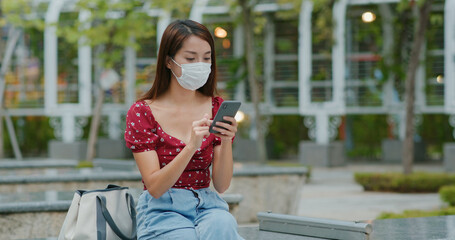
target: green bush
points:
(398, 182)
(84, 164)
(418, 213)
(360, 128)
(32, 133)
(447, 194)
(284, 135)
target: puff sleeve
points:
(140, 132)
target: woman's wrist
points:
(226, 140)
(191, 148)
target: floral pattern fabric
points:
(144, 133)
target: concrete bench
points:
(35, 166)
(301, 228)
(263, 188)
(38, 163)
(404, 229)
(314, 227)
(43, 219)
(77, 179)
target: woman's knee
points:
(226, 219)
(217, 223)
(224, 228)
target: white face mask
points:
(194, 75)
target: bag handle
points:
(102, 201)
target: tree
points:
(12, 16)
(424, 9)
(255, 90)
(113, 26)
(404, 61)
(249, 19)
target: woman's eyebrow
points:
(192, 52)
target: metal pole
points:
(2, 153)
(12, 135)
(13, 37)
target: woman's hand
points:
(199, 131)
(230, 129)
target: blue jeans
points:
(185, 214)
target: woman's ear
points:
(168, 62)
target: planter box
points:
(449, 157)
(325, 155)
(62, 150)
(112, 148)
(244, 150)
(105, 148)
(392, 151)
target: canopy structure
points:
(300, 75)
(343, 78)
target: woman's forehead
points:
(195, 45)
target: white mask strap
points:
(176, 62)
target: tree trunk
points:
(408, 148)
(94, 126)
(96, 115)
(252, 79)
(2, 154)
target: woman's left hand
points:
(230, 129)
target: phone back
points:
(227, 108)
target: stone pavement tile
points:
(435, 228)
(332, 193)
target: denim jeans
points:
(185, 214)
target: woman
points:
(168, 132)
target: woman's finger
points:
(201, 128)
(219, 135)
(227, 126)
(230, 119)
(202, 122)
(224, 132)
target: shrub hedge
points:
(418, 182)
(418, 213)
(447, 194)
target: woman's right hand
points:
(199, 131)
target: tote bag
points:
(100, 215)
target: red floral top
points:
(143, 133)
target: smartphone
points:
(227, 108)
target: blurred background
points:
(323, 75)
(348, 106)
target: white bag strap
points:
(107, 216)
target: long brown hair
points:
(172, 40)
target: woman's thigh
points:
(158, 218)
(216, 224)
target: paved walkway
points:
(333, 194)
